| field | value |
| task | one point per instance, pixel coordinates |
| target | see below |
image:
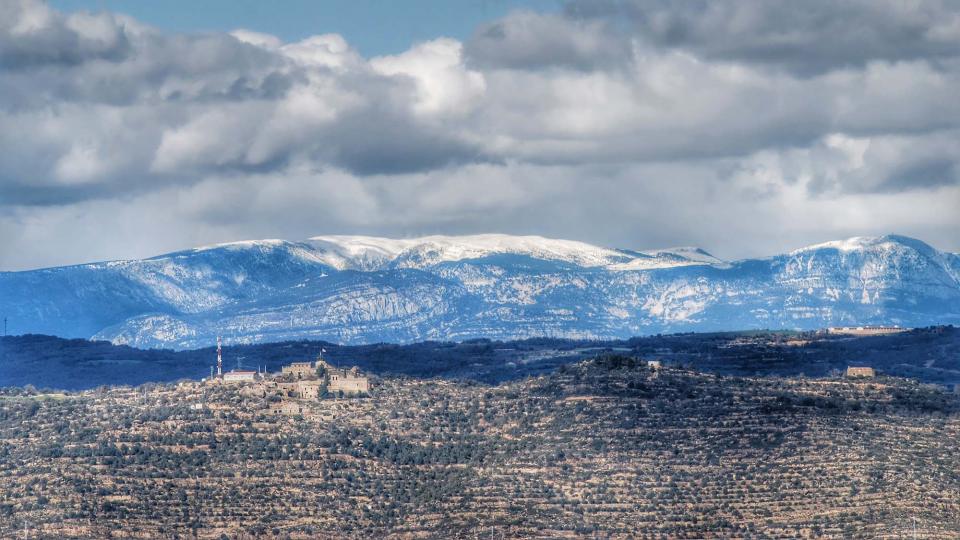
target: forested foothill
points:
(927, 354)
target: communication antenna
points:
(219, 359)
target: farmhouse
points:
(290, 408)
(859, 371)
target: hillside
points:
(605, 448)
(359, 290)
(930, 355)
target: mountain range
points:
(356, 289)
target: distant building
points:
(348, 381)
(239, 375)
(308, 389)
(300, 370)
(290, 408)
(866, 330)
(859, 371)
(308, 386)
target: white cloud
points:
(259, 39)
(570, 124)
(445, 87)
(325, 51)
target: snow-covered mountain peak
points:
(883, 258)
(690, 254)
(244, 244)
(295, 250)
(870, 243)
(357, 252)
(366, 252)
(373, 253)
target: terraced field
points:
(606, 448)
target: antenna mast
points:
(219, 359)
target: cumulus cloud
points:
(175, 108)
(597, 123)
(32, 35)
(839, 163)
(527, 40)
(808, 37)
(444, 86)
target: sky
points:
(748, 127)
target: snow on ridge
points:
(371, 253)
(368, 252)
(299, 250)
(345, 252)
(693, 254)
(856, 243)
(890, 247)
(243, 244)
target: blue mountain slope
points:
(363, 290)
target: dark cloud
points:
(527, 40)
(380, 141)
(924, 174)
(179, 69)
(31, 36)
(807, 37)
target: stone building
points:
(240, 375)
(300, 370)
(308, 389)
(290, 408)
(860, 371)
(348, 381)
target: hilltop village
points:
(296, 383)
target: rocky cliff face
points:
(362, 289)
